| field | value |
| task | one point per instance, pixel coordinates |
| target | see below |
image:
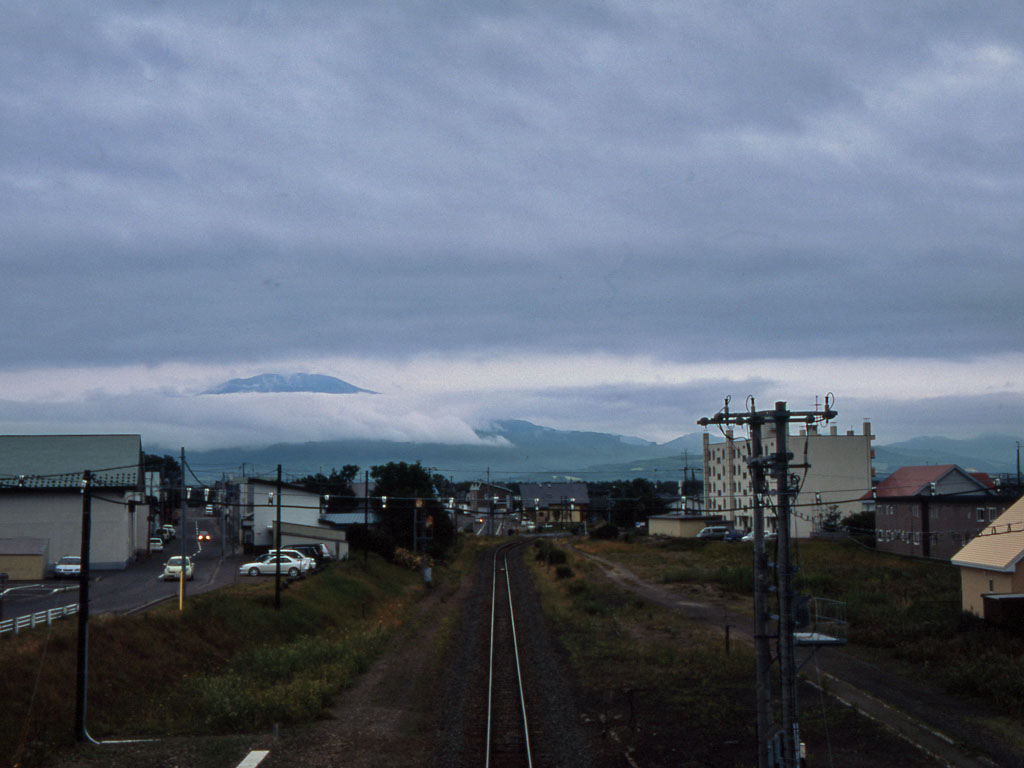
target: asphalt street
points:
(139, 584)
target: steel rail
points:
(515, 653)
(519, 674)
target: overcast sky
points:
(601, 216)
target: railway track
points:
(508, 728)
(507, 699)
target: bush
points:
(606, 531)
(563, 572)
(557, 556)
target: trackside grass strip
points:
(228, 663)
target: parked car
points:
(718, 532)
(172, 569)
(306, 563)
(168, 531)
(768, 536)
(69, 566)
(319, 552)
(267, 566)
(156, 544)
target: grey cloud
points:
(686, 182)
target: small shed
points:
(1005, 610)
(24, 558)
(680, 526)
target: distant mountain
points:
(294, 382)
(992, 453)
(529, 452)
(525, 452)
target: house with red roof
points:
(932, 511)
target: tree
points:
(337, 485)
(169, 469)
(861, 526)
(407, 496)
(634, 500)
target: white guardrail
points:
(31, 620)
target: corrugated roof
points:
(57, 461)
(997, 547)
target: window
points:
(979, 515)
(992, 514)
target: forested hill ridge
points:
(520, 450)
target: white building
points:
(41, 495)
(838, 475)
(301, 517)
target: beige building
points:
(838, 476)
(991, 562)
(679, 526)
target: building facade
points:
(933, 511)
(837, 474)
(554, 502)
(41, 497)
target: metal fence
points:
(32, 620)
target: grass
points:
(908, 610)
(667, 688)
(228, 663)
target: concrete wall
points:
(334, 538)
(975, 582)
(681, 527)
(298, 506)
(24, 567)
(57, 516)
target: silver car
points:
(267, 566)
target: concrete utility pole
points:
(184, 535)
(776, 748)
(366, 518)
(82, 677)
(277, 543)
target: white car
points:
(68, 567)
(156, 544)
(307, 563)
(267, 566)
(172, 569)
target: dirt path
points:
(944, 727)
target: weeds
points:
(228, 662)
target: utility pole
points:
(277, 543)
(366, 518)
(776, 748)
(83, 610)
(184, 536)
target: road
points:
(138, 585)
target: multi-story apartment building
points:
(834, 473)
